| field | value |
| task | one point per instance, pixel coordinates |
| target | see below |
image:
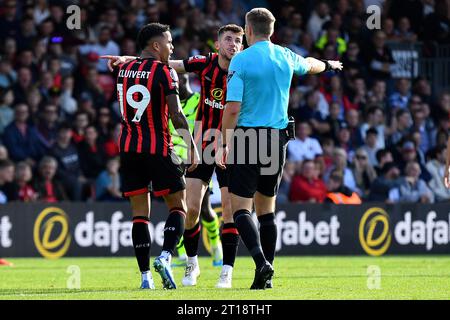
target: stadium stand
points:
(392, 95)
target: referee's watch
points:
(327, 65)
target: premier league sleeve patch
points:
(173, 75)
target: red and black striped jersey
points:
(213, 93)
(142, 88)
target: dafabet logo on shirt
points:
(217, 93)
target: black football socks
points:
(250, 237)
(141, 242)
(268, 235)
(173, 229)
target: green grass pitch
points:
(424, 277)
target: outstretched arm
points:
(318, 66)
(114, 61)
(178, 65)
(311, 65)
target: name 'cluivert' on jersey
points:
(142, 87)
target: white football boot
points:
(225, 277)
(191, 273)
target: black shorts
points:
(142, 172)
(259, 169)
(205, 172)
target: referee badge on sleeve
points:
(230, 75)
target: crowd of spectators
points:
(359, 131)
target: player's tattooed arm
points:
(178, 65)
(181, 124)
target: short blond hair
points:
(261, 20)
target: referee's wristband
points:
(327, 65)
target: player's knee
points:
(176, 200)
(226, 205)
(227, 213)
(264, 203)
(140, 206)
(193, 212)
(226, 199)
(191, 221)
(194, 206)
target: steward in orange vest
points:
(343, 198)
(338, 193)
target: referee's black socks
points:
(249, 235)
(173, 229)
(268, 235)
(141, 242)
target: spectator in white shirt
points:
(40, 11)
(319, 16)
(304, 147)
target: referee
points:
(259, 79)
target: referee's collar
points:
(262, 41)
